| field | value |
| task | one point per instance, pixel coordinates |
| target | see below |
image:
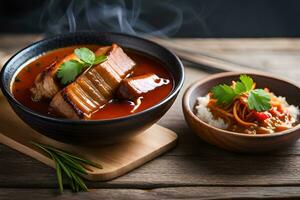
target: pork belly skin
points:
(46, 84)
(94, 88)
(134, 87)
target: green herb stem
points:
(72, 165)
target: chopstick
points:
(203, 60)
(208, 62)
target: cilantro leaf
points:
(69, 70)
(100, 59)
(85, 55)
(239, 88)
(223, 93)
(259, 100)
(245, 85)
(247, 81)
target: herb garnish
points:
(69, 70)
(73, 166)
(258, 99)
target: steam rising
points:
(107, 16)
(118, 16)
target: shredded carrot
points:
(221, 111)
(238, 119)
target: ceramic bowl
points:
(96, 131)
(240, 142)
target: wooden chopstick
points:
(203, 60)
(209, 62)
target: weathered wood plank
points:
(211, 193)
(193, 162)
(275, 56)
(194, 169)
(187, 170)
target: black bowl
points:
(95, 131)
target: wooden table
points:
(193, 169)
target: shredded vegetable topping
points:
(245, 108)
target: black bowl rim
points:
(9, 95)
(197, 84)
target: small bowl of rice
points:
(213, 130)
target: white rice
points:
(205, 115)
(293, 110)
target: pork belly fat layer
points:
(46, 86)
(95, 87)
(61, 101)
(132, 88)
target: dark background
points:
(179, 18)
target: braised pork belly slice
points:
(134, 87)
(46, 85)
(94, 88)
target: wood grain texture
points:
(275, 56)
(209, 193)
(194, 169)
(167, 171)
(116, 159)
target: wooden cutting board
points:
(116, 159)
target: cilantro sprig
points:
(258, 99)
(69, 70)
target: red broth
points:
(115, 108)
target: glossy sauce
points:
(115, 108)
